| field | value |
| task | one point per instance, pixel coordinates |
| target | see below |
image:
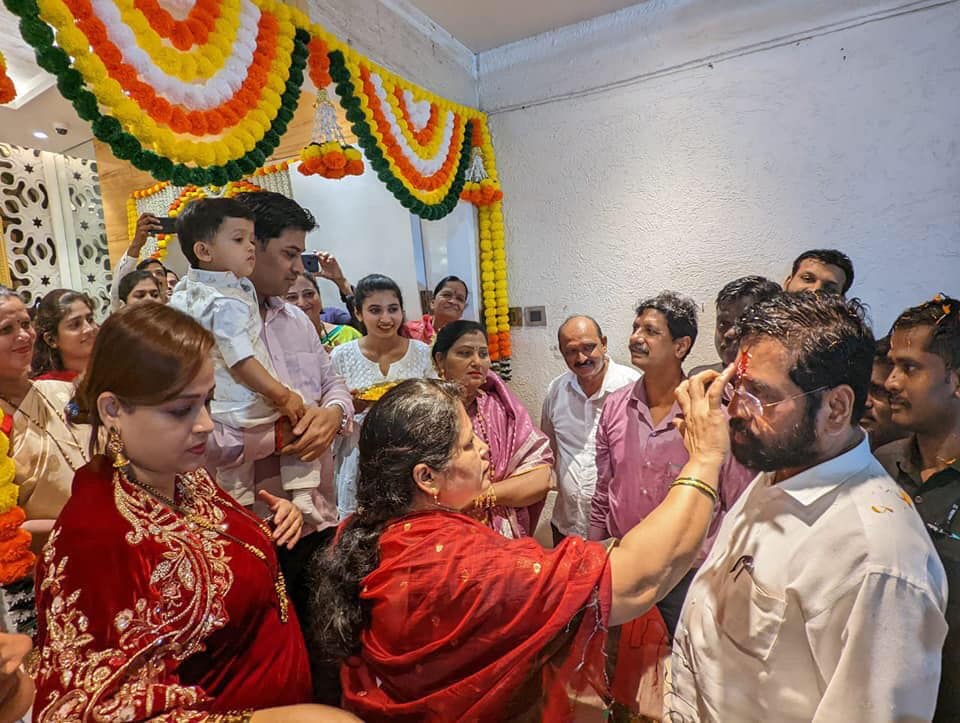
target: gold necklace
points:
(279, 582)
(44, 429)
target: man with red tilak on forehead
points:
(823, 598)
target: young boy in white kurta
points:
(217, 238)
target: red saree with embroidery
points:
(144, 617)
(467, 625)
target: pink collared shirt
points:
(637, 461)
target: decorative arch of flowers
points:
(199, 94)
(16, 559)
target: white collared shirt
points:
(227, 306)
(822, 600)
(570, 420)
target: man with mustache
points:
(734, 299)
(639, 449)
(571, 411)
(924, 389)
(823, 598)
(877, 421)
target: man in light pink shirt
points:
(281, 226)
(639, 450)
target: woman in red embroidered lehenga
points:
(433, 616)
(159, 598)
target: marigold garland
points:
(330, 160)
(16, 559)
(7, 91)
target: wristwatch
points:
(344, 418)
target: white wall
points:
(362, 224)
(683, 144)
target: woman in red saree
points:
(160, 598)
(521, 460)
(433, 616)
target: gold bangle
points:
(696, 484)
(486, 500)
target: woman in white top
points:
(383, 355)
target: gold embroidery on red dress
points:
(192, 578)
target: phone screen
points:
(310, 262)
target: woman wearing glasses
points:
(449, 301)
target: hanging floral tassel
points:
(479, 189)
(7, 91)
(329, 155)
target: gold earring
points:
(436, 498)
(115, 448)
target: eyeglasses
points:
(739, 399)
(944, 528)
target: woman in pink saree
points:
(521, 461)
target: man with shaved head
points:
(570, 414)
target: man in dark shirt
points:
(924, 389)
(876, 419)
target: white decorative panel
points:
(89, 235)
(53, 221)
(32, 251)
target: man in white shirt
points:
(823, 598)
(571, 411)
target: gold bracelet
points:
(486, 500)
(696, 484)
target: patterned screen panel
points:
(53, 225)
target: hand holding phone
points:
(310, 261)
(167, 224)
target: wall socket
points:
(516, 315)
(535, 315)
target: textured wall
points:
(735, 135)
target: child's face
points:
(231, 248)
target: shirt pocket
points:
(748, 615)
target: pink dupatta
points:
(516, 446)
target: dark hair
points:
(273, 213)
(128, 282)
(449, 334)
(449, 280)
(829, 335)
(883, 349)
(368, 285)
(831, 257)
(680, 311)
(942, 315)
(171, 271)
(50, 312)
(416, 422)
(200, 220)
(757, 288)
(312, 279)
(145, 354)
(596, 324)
(150, 261)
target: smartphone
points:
(168, 225)
(310, 261)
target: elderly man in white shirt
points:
(571, 411)
(823, 598)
